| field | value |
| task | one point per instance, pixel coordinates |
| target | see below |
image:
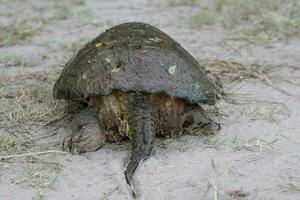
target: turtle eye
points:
(188, 122)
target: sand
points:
(256, 155)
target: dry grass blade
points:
(109, 193)
(216, 179)
(239, 71)
(27, 102)
(31, 154)
(237, 193)
(290, 184)
(268, 81)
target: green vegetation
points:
(20, 28)
(78, 2)
(181, 2)
(7, 145)
(14, 60)
(63, 12)
(240, 70)
(261, 19)
(16, 32)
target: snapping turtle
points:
(134, 81)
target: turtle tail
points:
(143, 133)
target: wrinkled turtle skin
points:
(134, 82)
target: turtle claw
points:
(88, 138)
(67, 144)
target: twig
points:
(290, 140)
(54, 121)
(31, 154)
(47, 136)
(110, 193)
(270, 83)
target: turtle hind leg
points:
(197, 122)
(86, 132)
(143, 133)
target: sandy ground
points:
(256, 155)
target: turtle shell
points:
(134, 57)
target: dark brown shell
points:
(134, 57)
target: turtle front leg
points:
(85, 132)
(197, 122)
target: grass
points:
(181, 2)
(269, 113)
(5, 168)
(237, 144)
(7, 145)
(17, 32)
(25, 102)
(21, 27)
(254, 144)
(215, 141)
(215, 188)
(239, 70)
(14, 60)
(257, 19)
(220, 110)
(63, 12)
(36, 172)
(78, 2)
(290, 184)
(255, 70)
(39, 175)
(23, 141)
